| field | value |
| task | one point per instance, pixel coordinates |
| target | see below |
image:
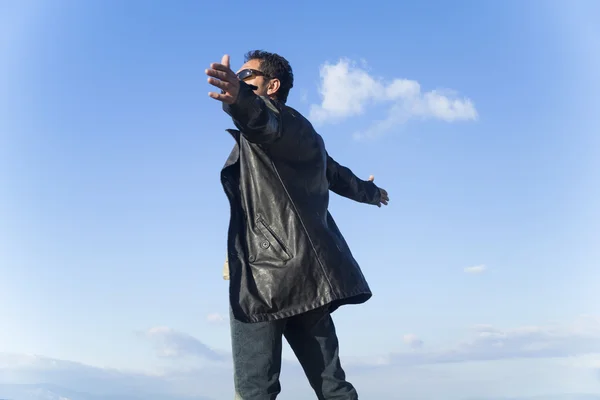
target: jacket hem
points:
(355, 297)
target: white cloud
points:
(413, 341)
(477, 269)
(216, 318)
(347, 90)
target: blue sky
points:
(113, 218)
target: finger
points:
(223, 85)
(225, 60)
(216, 74)
(371, 178)
(222, 67)
(224, 97)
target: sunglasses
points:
(249, 73)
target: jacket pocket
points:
(271, 243)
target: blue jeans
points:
(257, 356)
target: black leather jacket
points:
(286, 254)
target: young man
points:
(289, 266)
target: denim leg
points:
(256, 349)
(313, 339)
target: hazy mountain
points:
(54, 392)
(32, 377)
(548, 397)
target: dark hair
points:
(275, 66)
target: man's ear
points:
(274, 85)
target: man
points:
(289, 266)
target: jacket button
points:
(251, 258)
(265, 245)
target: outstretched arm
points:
(256, 117)
(343, 182)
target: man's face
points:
(265, 85)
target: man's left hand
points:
(384, 194)
(222, 77)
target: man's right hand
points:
(222, 77)
(384, 194)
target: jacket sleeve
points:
(257, 118)
(343, 182)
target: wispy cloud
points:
(413, 341)
(347, 90)
(490, 343)
(476, 269)
(485, 343)
(216, 318)
(173, 344)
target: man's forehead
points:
(252, 64)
